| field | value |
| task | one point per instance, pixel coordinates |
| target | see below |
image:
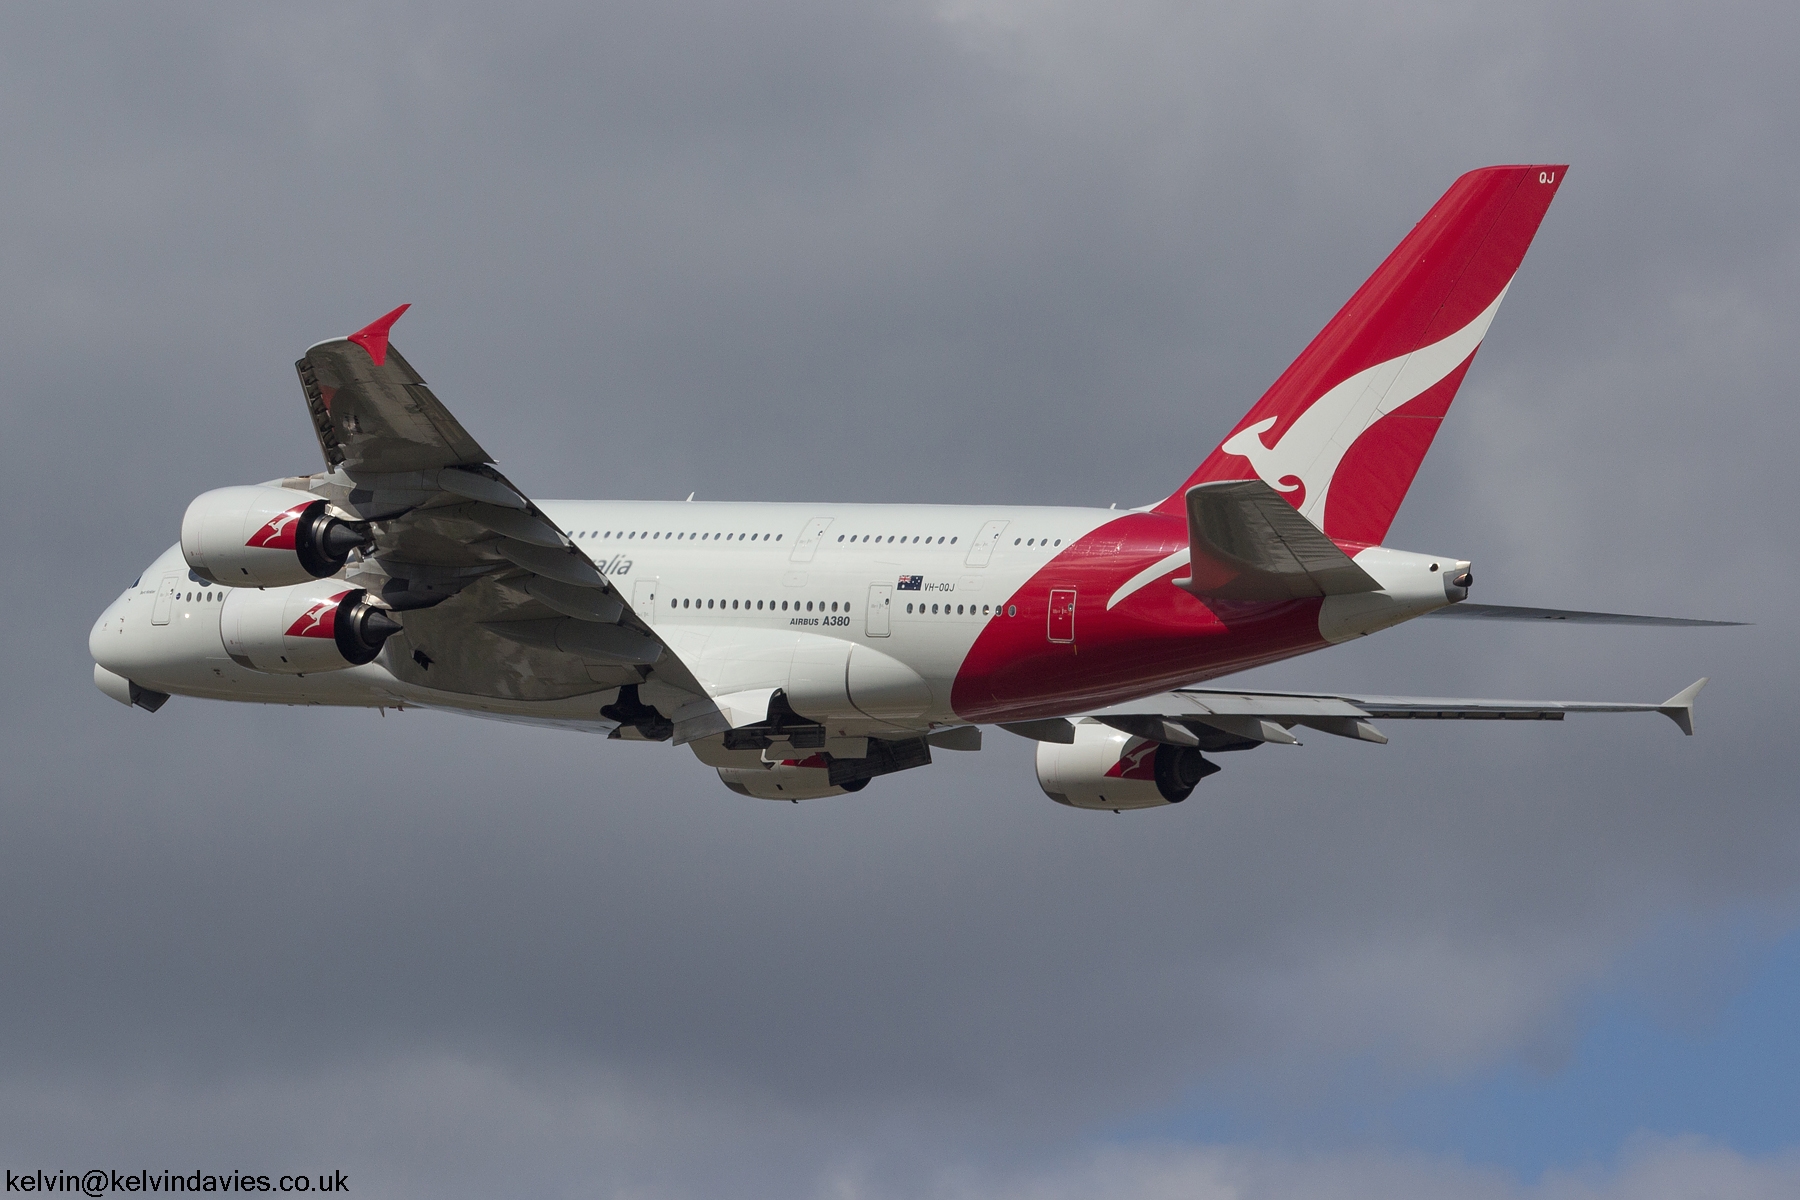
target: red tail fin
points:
(1343, 431)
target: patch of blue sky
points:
(1727, 1070)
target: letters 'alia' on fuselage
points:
(803, 649)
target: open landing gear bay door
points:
(493, 599)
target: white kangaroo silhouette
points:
(311, 621)
(1317, 441)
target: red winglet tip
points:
(373, 337)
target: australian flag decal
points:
(911, 583)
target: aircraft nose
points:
(108, 630)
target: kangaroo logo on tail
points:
(1397, 348)
(1306, 456)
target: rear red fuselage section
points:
(1155, 638)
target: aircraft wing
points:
(1508, 612)
(373, 413)
(492, 598)
(1226, 720)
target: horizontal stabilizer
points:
(1248, 543)
(1508, 612)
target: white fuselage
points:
(874, 608)
(724, 576)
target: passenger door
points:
(1062, 614)
(643, 600)
(809, 539)
(881, 603)
(983, 547)
(165, 600)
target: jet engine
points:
(1107, 768)
(792, 779)
(310, 627)
(264, 536)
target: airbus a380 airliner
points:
(804, 649)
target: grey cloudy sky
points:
(963, 252)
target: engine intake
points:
(304, 629)
(263, 536)
(1106, 768)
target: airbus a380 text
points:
(805, 649)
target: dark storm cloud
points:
(1039, 253)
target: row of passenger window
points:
(651, 535)
(625, 535)
(890, 538)
(757, 606)
(1033, 541)
(995, 610)
(987, 610)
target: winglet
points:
(1679, 708)
(373, 337)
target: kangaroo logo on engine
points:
(278, 534)
(318, 621)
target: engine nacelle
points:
(301, 630)
(802, 779)
(263, 536)
(1107, 768)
